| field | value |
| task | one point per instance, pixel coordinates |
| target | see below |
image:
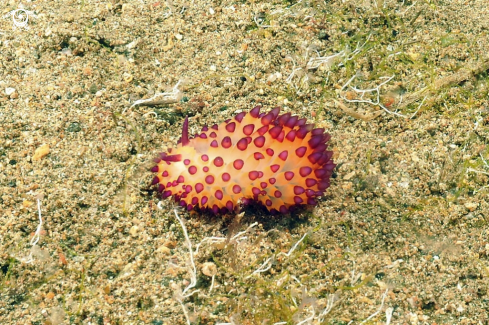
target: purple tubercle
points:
(172, 158)
(185, 141)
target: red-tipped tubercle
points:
(185, 141)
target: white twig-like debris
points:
(315, 62)
(267, 265)
(358, 48)
(37, 235)
(388, 315)
(223, 239)
(212, 283)
(384, 295)
(193, 274)
(363, 92)
(332, 299)
(310, 318)
(295, 246)
(477, 171)
(185, 311)
(170, 97)
(419, 107)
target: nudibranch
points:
(276, 160)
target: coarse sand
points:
(91, 91)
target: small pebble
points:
(209, 269)
(471, 206)
(41, 152)
(164, 250)
(134, 231)
(74, 127)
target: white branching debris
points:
(169, 97)
(384, 295)
(37, 235)
(180, 295)
(308, 310)
(364, 94)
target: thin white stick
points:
(244, 231)
(37, 234)
(419, 107)
(477, 171)
(329, 305)
(388, 315)
(185, 312)
(211, 239)
(262, 268)
(315, 62)
(380, 308)
(193, 275)
(160, 98)
(212, 283)
(309, 318)
(294, 247)
(485, 162)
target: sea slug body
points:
(276, 160)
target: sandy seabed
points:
(399, 238)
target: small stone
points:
(66, 51)
(74, 127)
(78, 259)
(134, 231)
(164, 250)
(127, 77)
(168, 46)
(87, 71)
(133, 44)
(170, 244)
(26, 203)
(9, 91)
(209, 269)
(41, 152)
(93, 88)
(349, 176)
(471, 206)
